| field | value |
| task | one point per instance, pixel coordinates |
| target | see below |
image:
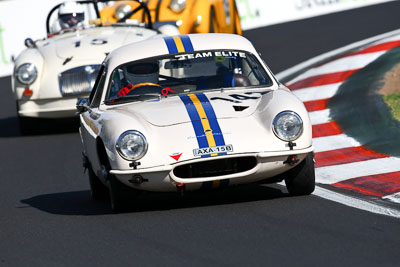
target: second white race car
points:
(50, 74)
(189, 112)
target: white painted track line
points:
(333, 142)
(386, 40)
(394, 198)
(306, 64)
(355, 202)
(319, 117)
(317, 92)
(339, 65)
(338, 173)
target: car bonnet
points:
(195, 107)
(95, 43)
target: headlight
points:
(122, 10)
(26, 73)
(288, 125)
(132, 145)
(177, 5)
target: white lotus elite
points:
(50, 74)
(190, 112)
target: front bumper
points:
(163, 178)
(48, 108)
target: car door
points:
(90, 121)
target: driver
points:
(146, 72)
(71, 15)
(140, 75)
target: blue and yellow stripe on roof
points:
(204, 121)
(178, 44)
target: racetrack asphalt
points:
(49, 219)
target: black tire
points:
(300, 180)
(120, 194)
(116, 194)
(98, 190)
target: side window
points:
(98, 92)
(96, 83)
(118, 81)
(257, 72)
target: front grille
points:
(78, 81)
(214, 168)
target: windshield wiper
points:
(132, 97)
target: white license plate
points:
(212, 150)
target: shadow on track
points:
(10, 127)
(80, 202)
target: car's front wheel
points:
(120, 194)
(98, 190)
(300, 180)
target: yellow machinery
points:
(191, 16)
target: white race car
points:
(189, 112)
(50, 74)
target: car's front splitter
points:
(165, 178)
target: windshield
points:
(183, 73)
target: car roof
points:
(162, 45)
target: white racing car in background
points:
(189, 112)
(52, 73)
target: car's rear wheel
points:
(300, 180)
(98, 190)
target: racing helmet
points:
(145, 72)
(70, 15)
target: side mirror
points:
(82, 105)
(30, 43)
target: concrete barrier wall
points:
(20, 19)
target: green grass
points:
(393, 101)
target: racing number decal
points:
(237, 97)
(98, 41)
